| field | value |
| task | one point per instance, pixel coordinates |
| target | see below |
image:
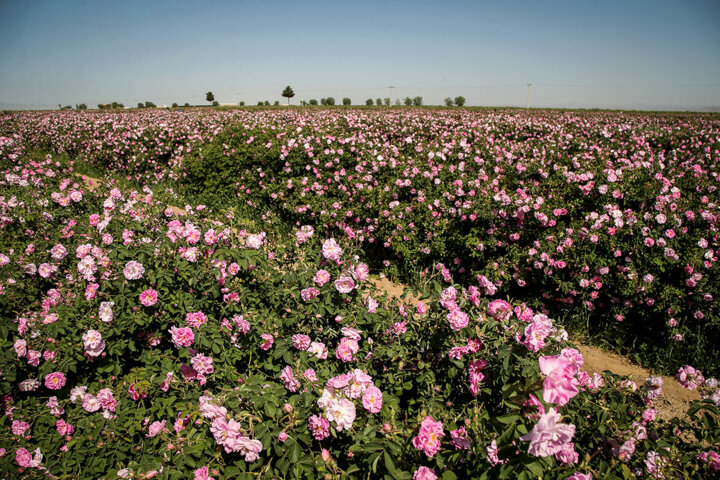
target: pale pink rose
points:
(309, 294)
(331, 250)
(133, 270)
(321, 277)
(155, 428)
(548, 436)
(457, 319)
(372, 399)
(344, 284)
(560, 384)
(424, 473)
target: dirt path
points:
(674, 401)
(93, 183)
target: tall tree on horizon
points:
(288, 92)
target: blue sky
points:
(608, 54)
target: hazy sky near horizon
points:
(607, 54)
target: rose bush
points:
(139, 343)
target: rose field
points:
(194, 294)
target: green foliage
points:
(460, 101)
(209, 97)
(346, 101)
(369, 102)
(253, 176)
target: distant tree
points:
(209, 96)
(330, 101)
(66, 107)
(117, 105)
(140, 105)
(323, 101)
(267, 103)
(260, 103)
(186, 104)
(347, 101)
(448, 102)
(82, 106)
(175, 105)
(408, 101)
(417, 101)
(215, 103)
(460, 101)
(378, 101)
(397, 102)
(242, 104)
(386, 101)
(369, 102)
(277, 102)
(313, 102)
(150, 105)
(288, 93)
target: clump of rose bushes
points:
(138, 343)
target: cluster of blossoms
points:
(331, 250)
(227, 432)
(539, 328)
(338, 395)
(304, 234)
(348, 345)
(305, 343)
(200, 367)
(456, 317)
(104, 399)
(689, 378)
(428, 438)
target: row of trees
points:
(458, 101)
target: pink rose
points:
(182, 337)
(548, 437)
(372, 399)
(55, 381)
(428, 438)
(149, 297)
